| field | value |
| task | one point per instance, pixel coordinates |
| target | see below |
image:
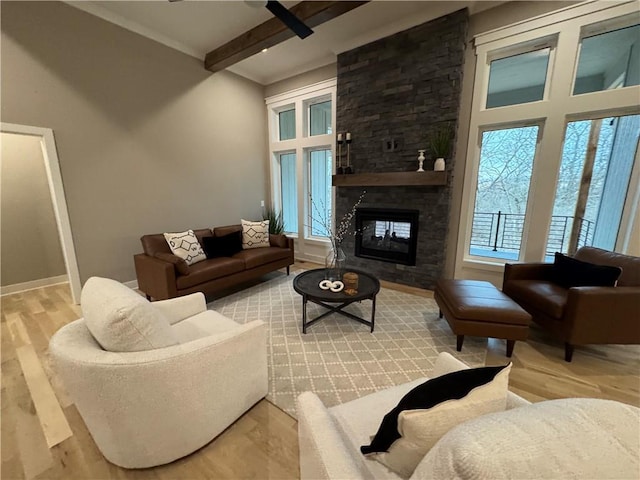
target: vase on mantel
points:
(439, 165)
(335, 262)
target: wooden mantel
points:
(390, 179)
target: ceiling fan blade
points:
(289, 19)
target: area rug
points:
(338, 358)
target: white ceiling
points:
(197, 27)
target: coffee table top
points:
(306, 283)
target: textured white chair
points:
(153, 406)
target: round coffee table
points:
(306, 284)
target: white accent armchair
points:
(151, 407)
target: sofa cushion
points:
(261, 256)
(570, 272)
(568, 438)
(202, 325)
(210, 269)
(185, 245)
(430, 410)
(223, 246)
(547, 297)
(179, 264)
(121, 320)
(255, 234)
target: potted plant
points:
(440, 144)
(276, 222)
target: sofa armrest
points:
(156, 278)
(527, 271)
(603, 315)
(179, 308)
(323, 451)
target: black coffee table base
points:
(307, 285)
(335, 309)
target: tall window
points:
(504, 175)
(553, 138)
(288, 193)
(301, 130)
(320, 170)
(593, 182)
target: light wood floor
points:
(43, 436)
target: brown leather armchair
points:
(580, 315)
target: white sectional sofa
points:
(570, 438)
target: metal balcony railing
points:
(502, 232)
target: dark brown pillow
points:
(278, 240)
(569, 272)
(223, 246)
(180, 265)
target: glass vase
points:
(335, 263)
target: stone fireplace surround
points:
(402, 87)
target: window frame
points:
(558, 107)
(312, 248)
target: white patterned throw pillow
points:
(185, 245)
(255, 234)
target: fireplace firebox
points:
(387, 234)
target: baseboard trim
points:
(132, 284)
(33, 284)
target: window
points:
(288, 191)
(609, 60)
(504, 175)
(320, 118)
(518, 78)
(593, 181)
(287, 124)
(549, 166)
(302, 147)
(320, 170)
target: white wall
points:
(148, 140)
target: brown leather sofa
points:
(167, 277)
(580, 315)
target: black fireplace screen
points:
(387, 234)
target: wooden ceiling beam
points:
(273, 32)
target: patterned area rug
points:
(338, 358)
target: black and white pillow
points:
(255, 234)
(185, 245)
(430, 410)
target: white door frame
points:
(54, 177)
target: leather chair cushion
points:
(209, 269)
(478, 300)
(259, 256)
(630, 265)
(544, 296)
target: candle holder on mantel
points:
(339, 169)
(348, 169)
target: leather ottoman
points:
(477, 308)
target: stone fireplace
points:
(400, 89)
